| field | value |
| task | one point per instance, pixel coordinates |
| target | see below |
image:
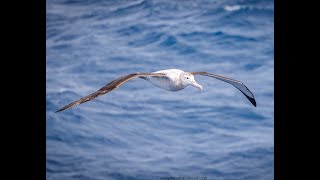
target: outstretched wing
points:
(109, 87)
(238, 84)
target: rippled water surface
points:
(143, 132)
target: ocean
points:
(140, 131)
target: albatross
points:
(169, 79)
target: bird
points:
(169, 79)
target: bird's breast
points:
(165, 83)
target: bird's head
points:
(188, 79)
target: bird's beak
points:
(197, 85)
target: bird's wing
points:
(238, 84)
(110, 87)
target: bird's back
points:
(171, 72)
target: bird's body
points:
(170, 82)
(169, 79)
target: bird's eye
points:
(187, 78)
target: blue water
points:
(143, 132)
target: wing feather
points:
(238, 84)
(109, 87)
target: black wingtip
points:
(253, 101)
(61, 110)
(58, 110)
